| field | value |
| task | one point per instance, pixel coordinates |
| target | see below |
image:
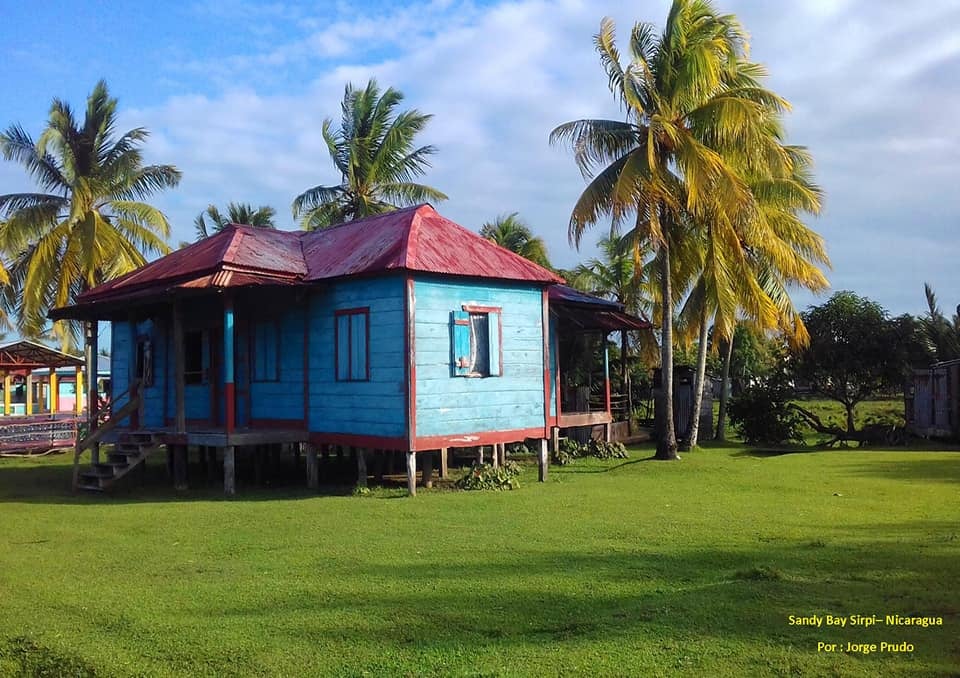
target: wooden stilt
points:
(412, 474)
(554, 438)
(444, 471)
(296, 454)
(606, 431)
(229, 467)
(544, 460)
(258, 464)
(426, 475)
(480, 455)
(211, 453)
(495, 455)
(503, 454)
(379, 461)
(180, 467)
(313, 475)
(361, 466)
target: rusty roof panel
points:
(413, 239)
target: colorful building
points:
(398, 332)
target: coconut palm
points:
(237, 213)
(693, 104)
(750, 274)
(510, 232)
(89, 223)
(373, 150)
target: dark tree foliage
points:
(855, 351)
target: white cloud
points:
(874, 87)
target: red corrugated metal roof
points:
(252, 250)
(413, 239)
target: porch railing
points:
(106, 421)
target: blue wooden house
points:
(401, 332)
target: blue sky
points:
(234, 94)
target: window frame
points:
(199, 377)
(252, 351)
(350, 312)
(488, 311)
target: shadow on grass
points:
(712, 595)
(945, 469)
(48, 481)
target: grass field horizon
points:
(620, 567)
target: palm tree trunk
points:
(691, 440)
(724, 389)
(667, 442)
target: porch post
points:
(606, 375)
(54, 388)
(93, 403)
(179, 364)
(7, 385)
(412, 474)
(77, 391)
(229, 392)
(29, 406)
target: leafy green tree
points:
(696, 114)
(237, 213)
(373, 150)
(855, 351)
(89, 222)
(510, 232)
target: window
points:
(352, 341)
(144, 366)
(195, 358)
(477, 342)
(265, 351)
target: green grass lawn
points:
(610, 568)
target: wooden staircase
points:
(130, 451)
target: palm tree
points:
(510, 232)
(693, 104)
(89, 224)
(747, 273)
(237, 213)
(940, 334)
(374, 152)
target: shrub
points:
(601, 449)
(569, 450)
(486, 477)
(761, 415)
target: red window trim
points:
(359, 310)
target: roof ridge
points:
(411, 244)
